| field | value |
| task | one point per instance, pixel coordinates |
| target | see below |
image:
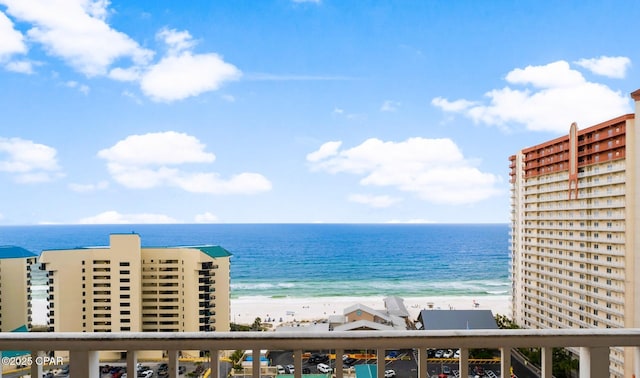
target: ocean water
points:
(318, 260)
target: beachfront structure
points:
(15, 288)
(359, 317)
(456, 319)
(125, 287)
(575, 231)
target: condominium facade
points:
(125, 287)
(15, 288)
(575, 230)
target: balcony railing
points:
(83, 348)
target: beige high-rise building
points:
(574, 234)
(15, 288)
(126, 287)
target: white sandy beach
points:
(246, 310)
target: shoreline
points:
(244, 310)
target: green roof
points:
(210, 250)
(214, 251)
(13, 252)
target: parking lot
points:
(403, 364)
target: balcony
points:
(593, 345)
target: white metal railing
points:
(83, 347)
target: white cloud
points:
(20, 66)
(82, 88)
(11, 40)
(610, 66)
(30, 162)
(125, 74)
(85, 188)
(207, 217)
(434, 169)
(160, 148)
(560, 96)
(181, 74)
(242, 183)
(77, 32)
(326, 150)
(553, 75)
(374, 201)
(176, 41)
(451, 106)
(389, 106)
(150, 160)
(114, 217)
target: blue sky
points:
(294, 111)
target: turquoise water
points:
(315, 260)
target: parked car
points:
(447, 354)
(479, 371)
(439, 353)
(457, 354)
(317, 358)
(145, 374)
(306, 370)
(280, 369)
(392, 354)
(182, 370)
(389, 373)
(349, 361)
(446, 370)
(144, 368)
(323, 368)
(290, 369)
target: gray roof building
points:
(456, 319)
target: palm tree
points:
(257, 325)
(235, 358)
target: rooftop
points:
(13, 252)
(457, 319)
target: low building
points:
(359, 317)
(456, 319)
